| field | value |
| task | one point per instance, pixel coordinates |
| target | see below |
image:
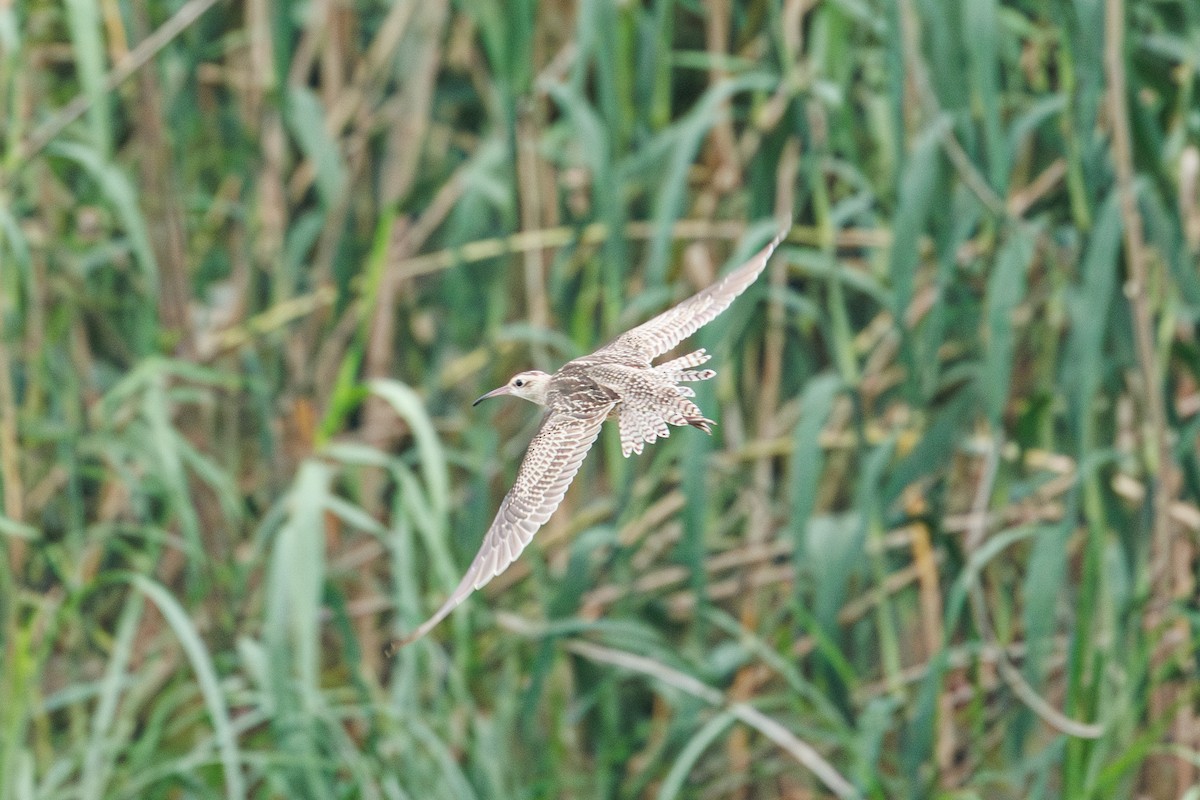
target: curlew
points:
(617, 380)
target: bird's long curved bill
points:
(493, 393)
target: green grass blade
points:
(118, 190)
(1006, 288)
(206, 676)
(673, 785)
(83, 20)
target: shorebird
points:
(617, 380)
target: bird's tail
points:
(680, 370)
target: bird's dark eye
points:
(518, 382)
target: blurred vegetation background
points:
(257, 258)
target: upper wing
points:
(550, 464)
(651, 339)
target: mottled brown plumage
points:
(618, 380)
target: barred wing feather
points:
(653, 338)
(550, 464)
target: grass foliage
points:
(256, 260)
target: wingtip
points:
(780, 236)
(769, 248)
(452, 602)
(393, 647)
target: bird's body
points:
(620, 380)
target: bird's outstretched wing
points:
(550, 464)
(653, 338)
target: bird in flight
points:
(617, 380)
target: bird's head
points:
(531, 385)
